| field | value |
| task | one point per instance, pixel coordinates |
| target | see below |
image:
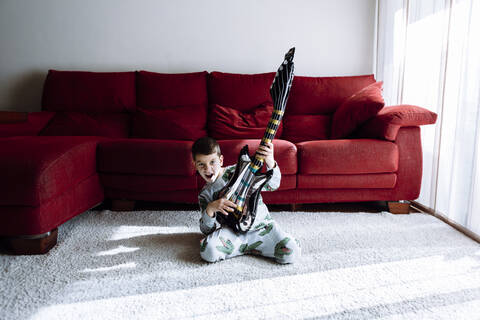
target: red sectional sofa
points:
(127, 136)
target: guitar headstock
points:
(280, 88)
(289, 55)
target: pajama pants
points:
(267, 240)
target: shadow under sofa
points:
(101, 135)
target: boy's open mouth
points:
(209, 176)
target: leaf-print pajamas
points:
(265, 237)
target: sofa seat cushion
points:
(347, 156)
(82, 91)
(37, 169)
(285, 153)
(288, 182)
(169, 196)
(347, 181)
(147, 183)
(146, 157)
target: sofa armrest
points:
(13, 116)
(389, 120)
(22, 123)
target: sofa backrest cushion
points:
(181, 123)
(167, 90)
(242, 92)
(113, 125)
(312, 102)
(171, 105)
(298, 128)
(90, 92)
(230, 123)
(323, 95)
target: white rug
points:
(146, 265)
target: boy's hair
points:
(206, 146)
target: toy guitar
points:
(245, 185)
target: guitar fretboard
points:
(270, 132)
(279, 90)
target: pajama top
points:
(210, 190)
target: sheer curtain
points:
(428, 54)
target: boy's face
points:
(208, 166)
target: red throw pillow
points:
(181, 123)
(298, 128)
(113, 125)
(356, 110)
(228, 123)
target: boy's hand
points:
(266, 153)
(221, 205)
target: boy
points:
(264, 237)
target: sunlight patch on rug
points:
(127, 232)
(303, 295)
(128, 265)
(119, 249)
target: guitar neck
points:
(268, 136)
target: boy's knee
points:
(208, 251)
(288, 251)
(208, 257)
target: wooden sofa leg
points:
(122, 205)
(399, 207)
(36, 244)
(296, 206)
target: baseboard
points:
(445, 219)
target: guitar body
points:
(245, 185)
(241, 221)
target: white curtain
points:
(428, 54)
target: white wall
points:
(247, 36)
